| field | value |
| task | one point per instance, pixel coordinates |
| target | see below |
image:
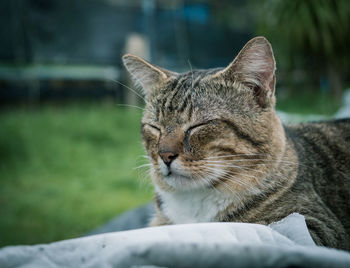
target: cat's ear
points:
(255, 67)
(145, 74)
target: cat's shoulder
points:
(334, 132)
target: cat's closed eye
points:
(201, 134)
(150, 132)
(151, 128)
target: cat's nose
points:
(168, 156)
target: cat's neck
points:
(199, 205)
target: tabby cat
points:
(220, 153)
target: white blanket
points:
(282, 244)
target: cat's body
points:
(318, 188)
(220, 153)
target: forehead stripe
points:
(186, 100)
(170, 97)
(177, 95)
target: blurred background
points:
(69, 125)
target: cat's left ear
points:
(254, 67)
(145, 74)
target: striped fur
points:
(220, 153)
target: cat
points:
(219, 152)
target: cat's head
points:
(213, 128)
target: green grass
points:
(67, 170)
(307, 102)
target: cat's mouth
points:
(176, 176)
(178, 181)
(170, 174)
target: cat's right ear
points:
(254, 67)
(145, 74)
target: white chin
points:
(180, 182)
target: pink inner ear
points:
(254, 67)
(145, 74)
(255, 64)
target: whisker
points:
(280, 182)
(234, 160)
(133, 90)
(256, 159)
(208, 181)
(189, 63)
(226, 156)
(263, 160)
(222, 182)
(142, 166)
(142, 159)
(223, 164)
(235, 166)
(132, 106)
(205, 178)
(226, 173)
